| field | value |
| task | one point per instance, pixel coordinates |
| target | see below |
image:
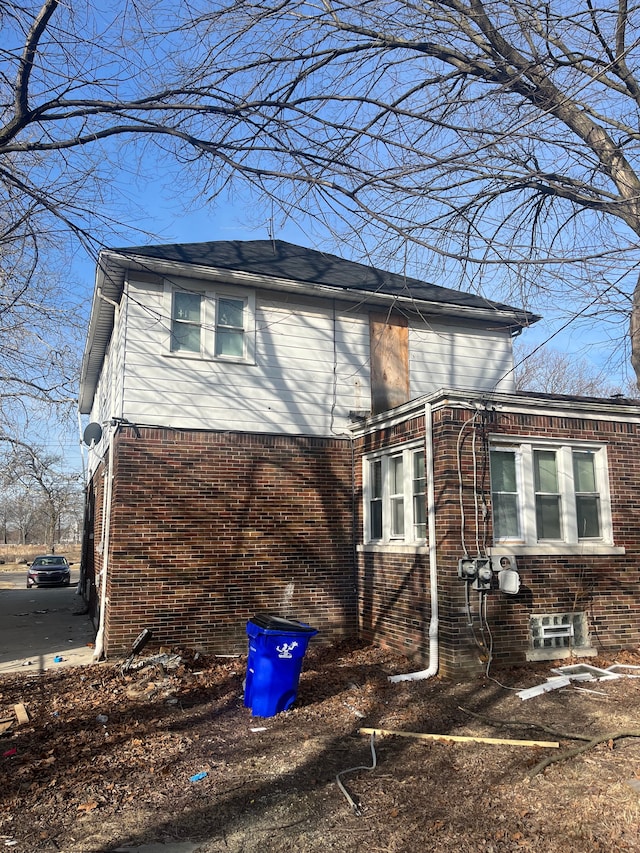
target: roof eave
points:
(109, 283)
(522, 402)
(201, 272)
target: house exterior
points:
(545, 485)
(270, 430)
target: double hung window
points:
(215, 325)
(186, 322)
(549, 509)
(230, 327)
(394, 489)
(550, 494)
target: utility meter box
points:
(477, 570)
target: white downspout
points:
(106, 530)
(108, 491)
(432, 669)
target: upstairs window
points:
(212, 324)
(394, 497)
(186, 322)
(550, 494)
(230, 327)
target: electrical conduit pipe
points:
(432, 669)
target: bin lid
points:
(278, 623)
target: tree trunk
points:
(634, 330)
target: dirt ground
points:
(170, 752)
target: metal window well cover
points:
(585, 669)
(281, 625)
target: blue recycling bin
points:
(276, 649)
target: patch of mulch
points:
(168, 751)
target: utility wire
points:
(355, 807)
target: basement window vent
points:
(557, 635)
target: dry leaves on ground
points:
(107, 760)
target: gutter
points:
(432, 669)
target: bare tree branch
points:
(501, 140)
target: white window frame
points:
(177, 323)
(235, 297)
(528, 542)
(209, 320)
(390, 537)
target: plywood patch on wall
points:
(389, 335)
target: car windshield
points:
(49, 561)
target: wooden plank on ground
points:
(462, 738)
(21, 713)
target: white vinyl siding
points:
(550, 494)
(304, 368)
(459, 355)
(108, 400)
(287, 386)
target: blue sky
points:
(140, 186)
(245, 219)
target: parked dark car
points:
(49, 570)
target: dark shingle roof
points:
(278, 259)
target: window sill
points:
(392, 548)
(557, 549)
(561, 654)
(224, 359)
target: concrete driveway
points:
(41, 624)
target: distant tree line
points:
(40, 503)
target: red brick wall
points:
(91, 558)
(210, 528)
(394, 608)
(606, 588)
(394, 594)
